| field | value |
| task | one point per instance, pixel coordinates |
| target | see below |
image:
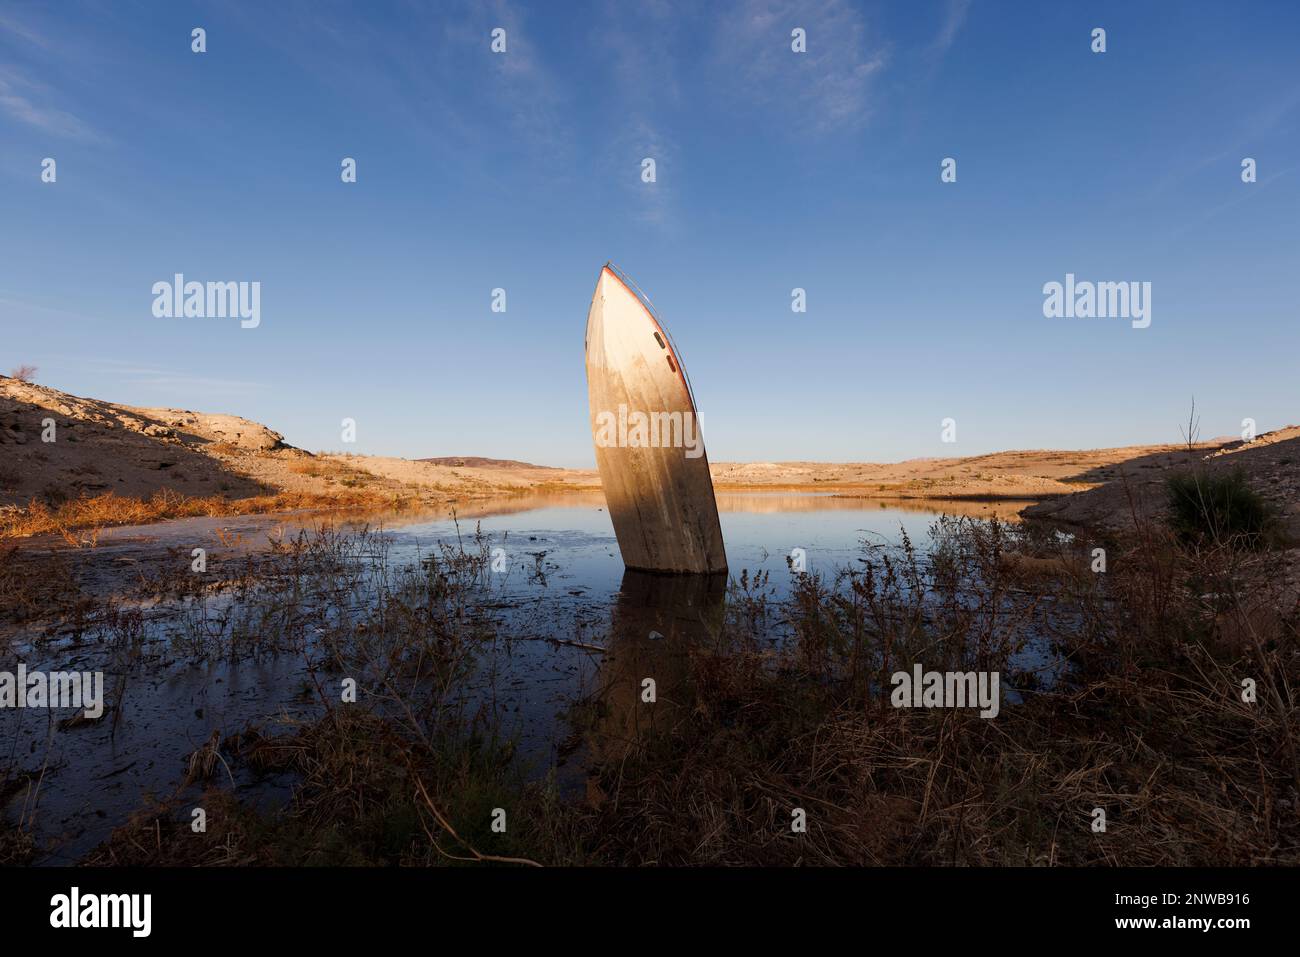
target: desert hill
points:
(227, 462)
(100, 447)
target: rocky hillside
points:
(100, 447)
(1136, 487)
(97, 447)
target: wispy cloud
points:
(639, 45)
(15, 304)
(639, 49)
(641, 139)
(26, 100)
(182, 385)
(828, 88)
(1254, 128)
(31, 101)
(954, 19)
(432, 70)
(24, 31)
(524, 89)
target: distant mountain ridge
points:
(480, 462)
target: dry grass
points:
(367, 796)
(33, 585)
(408, 776)
(16, 843)
(107, 510)
(1149, 724)
(786, 706)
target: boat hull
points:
(649, 449)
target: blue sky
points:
(775, 170)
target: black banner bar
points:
(333, 906)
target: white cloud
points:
(826, 89)
(433, 73)
(19, 97)
(954, 19)
(157, 379)
(11, 24)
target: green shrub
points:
(1218, 509)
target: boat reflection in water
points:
(656, 622)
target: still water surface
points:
(563, 593)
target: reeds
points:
(1128, 696)
(1146, 721)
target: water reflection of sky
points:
(578, 548)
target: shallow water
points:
(570, 623)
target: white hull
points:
(660, 493)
